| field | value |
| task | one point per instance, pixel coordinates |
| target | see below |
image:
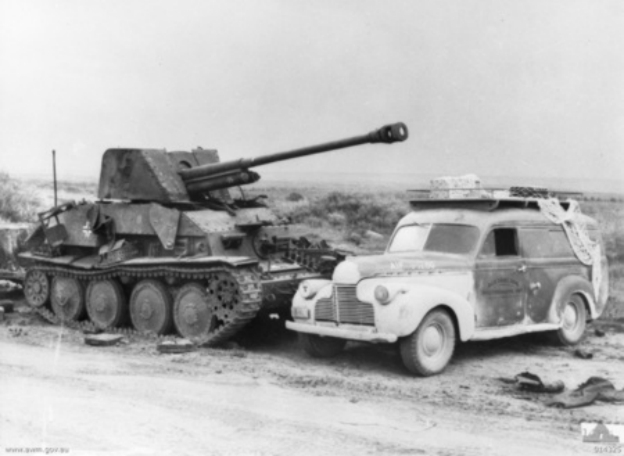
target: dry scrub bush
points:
(354, 213)
(17, 204)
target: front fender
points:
(410, 303)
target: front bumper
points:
(366, 334)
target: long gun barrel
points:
(227, 174)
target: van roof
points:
(483, 213)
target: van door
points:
(549, 258)
(500, 280)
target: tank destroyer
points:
(166, 247)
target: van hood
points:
(354, 269)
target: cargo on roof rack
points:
(466, 192)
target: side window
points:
(560, 244)
(500, 242)
(545, 243)
(535, 242)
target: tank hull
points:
(201, 273)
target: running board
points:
(515, 330)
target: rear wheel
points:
(428, 350)
(321, 347)
(573, 321)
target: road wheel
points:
(428, 350)
(36, 288)
(573, 321)
(321, 347)
(193, 313)
(68, 298)
(151, 307)
(106, 303)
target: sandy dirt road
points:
(58, 394)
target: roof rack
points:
(486, 198)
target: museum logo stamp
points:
(607, 437)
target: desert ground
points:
(262, 395)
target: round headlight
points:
(382, 294)
(307, 291)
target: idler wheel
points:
(68, 298)
(106, 303)
(36, 288)
(193, 313)
(151, 307)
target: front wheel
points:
(573, 321)
(321, 347)
(428, 350)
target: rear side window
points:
(545, 243)
(560, 244)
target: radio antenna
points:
(54, 171)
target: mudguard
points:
(409, 303)
(570, 285)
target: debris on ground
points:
(176, 346)
(92, 331)
(103, 340)
(7, 306)
(583, 354)
(599, 332)
(594, 389)
(17, 332)
(530, 382)
(230, 345)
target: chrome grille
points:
(325, 309)
(344, 307)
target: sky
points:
(500, 87)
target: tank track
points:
(248, 282)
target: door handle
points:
(522, 268)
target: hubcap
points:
(190, 314)
(433, 340)
(570, 316)
(61, 299)
(100, 304)
(146, 310)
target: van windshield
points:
(435, 237)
